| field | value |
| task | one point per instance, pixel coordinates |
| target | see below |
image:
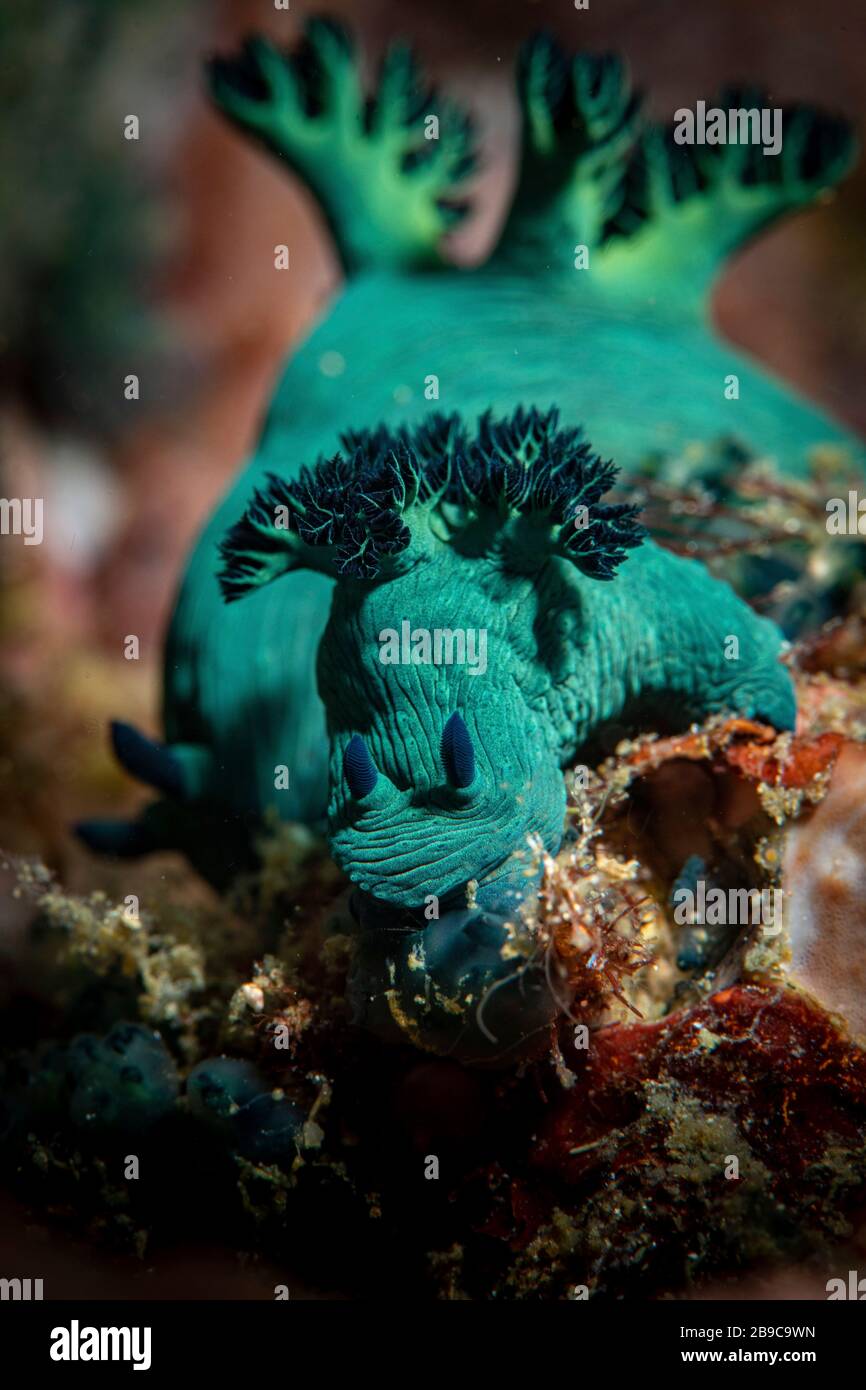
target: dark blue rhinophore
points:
(359, 768)
(458, 755)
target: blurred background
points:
(154, 257)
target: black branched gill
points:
(355, 502)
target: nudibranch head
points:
(444, 760)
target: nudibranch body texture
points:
(433, 611)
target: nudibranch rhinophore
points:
(438, 612)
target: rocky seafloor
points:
(183, 1068)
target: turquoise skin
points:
(290, 675)
(569, 660)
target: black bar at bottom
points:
(254, 1340)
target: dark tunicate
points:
(238, 1103)
(124, 1082)
(127, 1082)
(460, 986)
